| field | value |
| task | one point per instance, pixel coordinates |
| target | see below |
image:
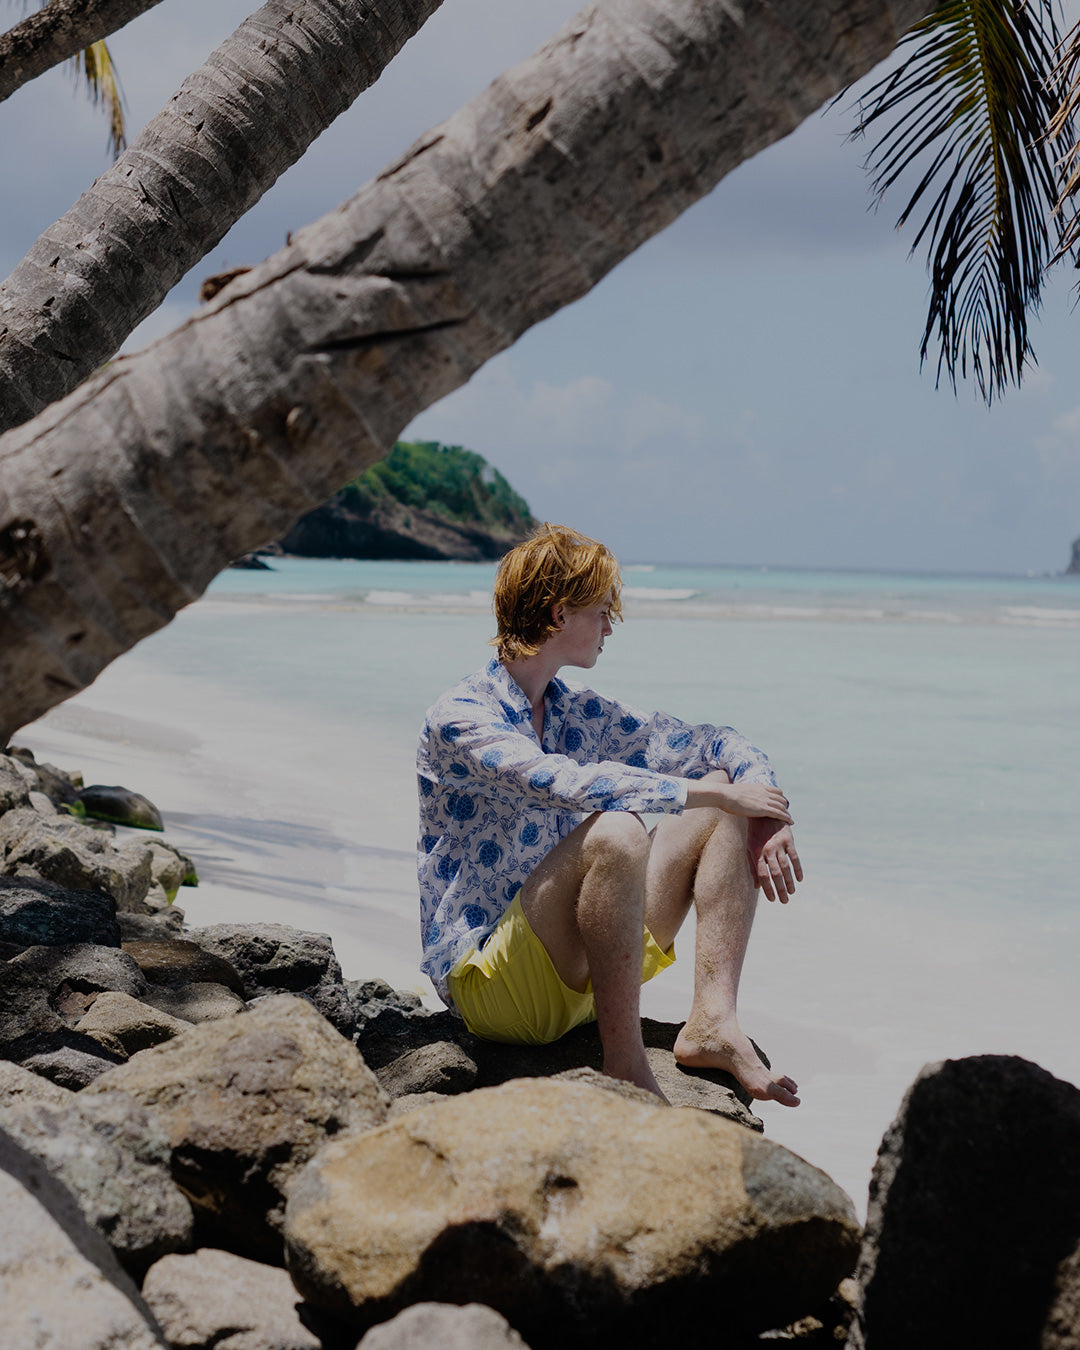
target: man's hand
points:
(774, 860)
(738, 799)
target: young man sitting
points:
(545, 902)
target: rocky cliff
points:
(1074, 566)
(425, 500)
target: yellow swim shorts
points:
(508, 990)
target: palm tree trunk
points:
(220, 142)
(119, 504)
(59, 31)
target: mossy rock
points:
(119, 806)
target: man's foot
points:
(729, 1049)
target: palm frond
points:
(95, 64)
(968, 110)
(1063, 131)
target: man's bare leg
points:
(586, 904)
(722, 890)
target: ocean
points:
(925, 728)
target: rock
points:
(61, 1287)
(214, 1300)
(974, 1211)
(120, 806)
(18, 1084)
(34, 913)
(135, 1026)
(82, 968)
(58, 785)
(168, 867)
(1061, 1330)
(67, 1057)
(74, 856)
(413, 1101)
(42, 804)
(114, 1159)
(14, 788)
(582, 1217)
(441, 1066)
(176, 961)
(246, 1102)
(391, 1033)
(273, 958)
(166, 923)
(24, 1008)
(428, 1325)
(201, 1002)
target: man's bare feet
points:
(728, 1048)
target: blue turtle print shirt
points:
(494, 801)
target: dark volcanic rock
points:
(82, 967)
(271, 957)
(120, 806)
(24, 1008)
(176, 961)
(34, 913)
(67, 1057)
(202, 1001)
(974, 1212)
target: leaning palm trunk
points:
(220, 142)
(58, 31)
(118, 505)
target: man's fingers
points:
(793, 855)
(765, 878)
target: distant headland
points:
(1074, 566)
(424, 500)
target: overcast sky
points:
(744, 389)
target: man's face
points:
(581, 638)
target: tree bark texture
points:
(119, 504)
(57, 32)
(221, 141)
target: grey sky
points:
(744, 389)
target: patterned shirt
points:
(494, 800)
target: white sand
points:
(296, 819)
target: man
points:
(545, 902)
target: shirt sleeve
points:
(667, 745)
(480, 748)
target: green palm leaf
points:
(968, 110)
(96, 65)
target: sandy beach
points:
(296, 814)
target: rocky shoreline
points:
(210, 1138)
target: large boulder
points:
(246, 1101)
(61, 1287)
(973, 1225)
(114, 1159)
(15, 787)
(25, 1009)
(215, 1300)
(41, 913)
(576, 1213)
(203, 1001)
(67, 1057)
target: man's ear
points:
(558, 615)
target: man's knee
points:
(617, 836)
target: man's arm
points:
(774, 860)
